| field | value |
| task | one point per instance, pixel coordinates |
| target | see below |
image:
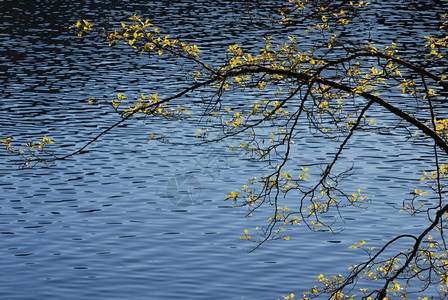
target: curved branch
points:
(375, 53)
(418, 241)
(376, 99)
(123, 119)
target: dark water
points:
(135, 220)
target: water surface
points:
(114, 222)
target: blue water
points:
(134, 220)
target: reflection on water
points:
(129, 219)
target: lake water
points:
(134, 220)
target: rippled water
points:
(114, 222)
